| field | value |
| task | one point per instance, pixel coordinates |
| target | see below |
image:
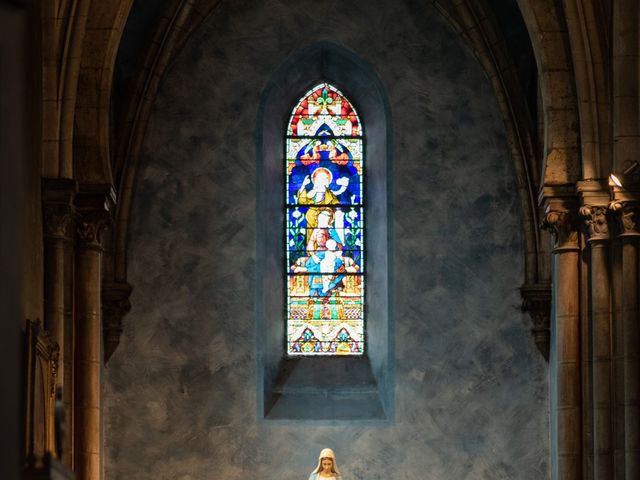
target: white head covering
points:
(327, 453)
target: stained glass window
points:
(324, 226)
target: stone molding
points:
(536, 301)
(115, 305)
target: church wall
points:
(471, 388)
(19, 196)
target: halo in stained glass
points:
(324, 228)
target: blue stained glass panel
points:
(324, 226)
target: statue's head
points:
(327, 462)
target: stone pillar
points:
(564, 362)
(58, 196)
(628, 213)
(93, 207)
(599, 315)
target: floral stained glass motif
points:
(324, 227)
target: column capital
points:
(628, 215)
(561, 219)
(58, 210)
(115, 305)
(94, 207)
(595, 219)
(594, 198)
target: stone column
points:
(599, 313)
(628, 213)
(564, 362)
(58, 196)
(93, 215)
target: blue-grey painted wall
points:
(471, 388)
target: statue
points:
(327, 467)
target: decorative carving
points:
(628, 214)
(55, 359)
(58, 221)
(42, 370)
(115, 305)
(57, 197)
(90, 228)
(536, 300)
(94, 204)
(563, 224)
(595, 218)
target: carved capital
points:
(115, 305)
(58, 211)
(628, 215)
(563, 224)
(90, 228)
(595, 219)
(536, 300)
(94, 204)
(58, 221)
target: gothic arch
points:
(588, 30)
(548, 32)
(475, 22)
(91, 137)
(178, 20)
(324, 61)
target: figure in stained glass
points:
(324, 224)
(325, 229)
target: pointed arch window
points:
(317, 172)
(324, 226)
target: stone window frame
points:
(324, 389)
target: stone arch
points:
(63, 33)
(179, 18)
(587, 25)
(548, 32)
(477, 24)
(105, 23)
